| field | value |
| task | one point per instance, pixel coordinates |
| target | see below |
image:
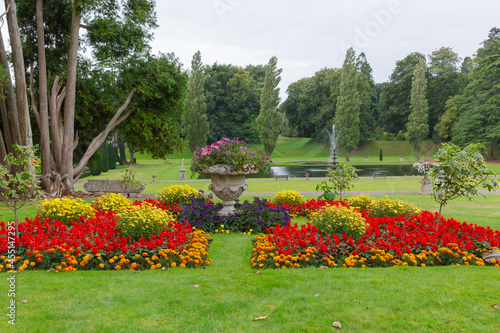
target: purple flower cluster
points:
(258, 216)
(234, 153)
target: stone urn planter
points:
(228, 185)
(426, 185)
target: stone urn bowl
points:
(228, 185)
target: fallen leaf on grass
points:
(259, 272)
(337, 324)
(316, 295)
(50, 270)
(323, 267)
(260, 318)
(495, 306)
(440, 303)
(24, 301)
(196, 286)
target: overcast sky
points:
(308, 35)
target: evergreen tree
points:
(348, 105)
(368, 99)
(417, 125)
(480, 111)
(269, 118)
(194, 120)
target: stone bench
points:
(379, 175)
(281, 177)
(111, 186)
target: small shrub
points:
(339, 220)
(392, 208)
(288, 196)
(177, 194)
(361, 201)
(65, 209)
(112, 202)
(142, 221)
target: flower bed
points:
(395, 241)
(96, 243)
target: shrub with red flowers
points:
(388, 241)
(308, 207)
(96, 243)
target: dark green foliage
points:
(396, 94)
(160, 85)
(104, 157)
(94, 164)
(112, 156)
(480, 111)
(368, 98)
(380, 155)
(417, 120)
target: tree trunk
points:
(69, 105)
(121, 150)
(98, 140)
(19, 73)
(8, 104)
(56, 123)
(43, 95)
(131, 151)
(347, 155)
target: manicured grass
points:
(231, 294)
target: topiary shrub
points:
(112, 202)
(289, 196)
(65, 209)
(142, 221)
(339, 220)
(392, 208)
(177, 194)
(362, 201)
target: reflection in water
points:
(320, 170)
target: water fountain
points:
(334, 140)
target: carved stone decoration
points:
(227, 184)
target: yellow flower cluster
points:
(339, 220)
(177, 194)
(290, 196)
(194, 255)
(264, 255)
(65, 209)
(143, 221)
(112, 202)
(222, 230)
(391, 208)
(361, 201)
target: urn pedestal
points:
(426, 187)
(228, 185)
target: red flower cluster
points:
(173, 209)
(309, 206)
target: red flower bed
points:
(96, 242)
(387, 242)
(173, 209)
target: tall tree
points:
(368, 99)
(480, 111)
(417, 120)
(269, 118)
(194, 120)
(444, 81)
(114, 30)
(347, 114)
(396, 94)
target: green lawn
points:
(231, 294)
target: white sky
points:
(308, 35)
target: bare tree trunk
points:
(131, 151)
(69, 105)
(19, 73)
(347, 155)
(8, 105)
(56, 124)
(44, 108)
(98, 140)
(3, 151)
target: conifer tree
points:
(195, 121)
(348, 105)
(269, 119)
(417, 125)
